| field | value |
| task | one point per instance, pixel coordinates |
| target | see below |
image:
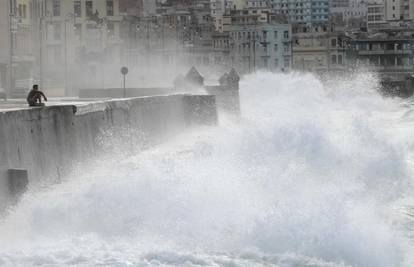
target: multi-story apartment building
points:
(302, 11)
(397, 10)
(179, 35)
(390, 13)
(24, 48)
(355, 10)
(80, 36)
(376, 15)
(318, 49)
(256, 41)
(220, 7)
(19, 49)
(387, 51)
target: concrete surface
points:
(19, 104)
(49, 141)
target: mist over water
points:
(313, 174)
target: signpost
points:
(124, 71)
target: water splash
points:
(314, 174)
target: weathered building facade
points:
(19, 44)
(319, 49)
(257, 41)
(79, 37)
(388, 52)
(304, 12)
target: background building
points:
(352, 12)
(19, 49)
(397, 10)
(221, 7)
(304, 12)
(319, 49)
(257, 40)
(375, 15)
(79, 38)
(389, 52)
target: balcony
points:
(400, 68)
(384, 52)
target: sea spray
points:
(311, 175)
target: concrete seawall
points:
(225, 90)
(48, 141)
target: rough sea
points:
(312, 174)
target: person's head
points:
(35, 87)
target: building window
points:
(286, 34)
(109, 7)
(286, 47)
(340, 59)
(22, 11)
(276, 62)
(275, 34)
(276, 47)
(333, 42)
(56, 8)
(333, 60)
(57, 31)
(77, 8)
(89, 8)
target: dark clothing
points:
(34, 98)
(34, 104)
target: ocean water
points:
(313, 174)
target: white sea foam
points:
(312, 175)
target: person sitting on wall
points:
(34, 98)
